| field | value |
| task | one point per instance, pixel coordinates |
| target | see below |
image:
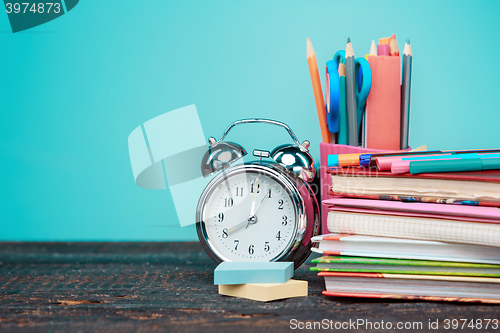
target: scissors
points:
(364, 83)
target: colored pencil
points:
(350, 80)
(405, 95)
(373, 49)
(343, 136)
(393, 46)
(318, 92)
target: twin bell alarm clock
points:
(258, 211)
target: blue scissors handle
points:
(332, 117)
(339, 55)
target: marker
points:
(373, 156)
(336, 160)
(385, 163)
(403, 166)
(383, 49)
(460, 165)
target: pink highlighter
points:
(385, 163)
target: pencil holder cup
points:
(325, 179)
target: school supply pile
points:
(395, 223)
(366, 102)
(398, 224)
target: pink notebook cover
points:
(326, 179)
(415, 209)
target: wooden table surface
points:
(148, 287)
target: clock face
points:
(249, 216)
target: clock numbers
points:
(239, 191)
(252, 188)
(228, 202)
(267, 235)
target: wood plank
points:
(153, 286)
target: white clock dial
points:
(250, 216)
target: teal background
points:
(74, 88)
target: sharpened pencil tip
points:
(310, 51)
(408, 41)
(348, 39)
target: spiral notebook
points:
(429, 229)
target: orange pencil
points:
(318, 92)
(393, 46)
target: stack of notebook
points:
(430, 236)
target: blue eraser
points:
(253, 272)
(333, 160)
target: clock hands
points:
(252, 219)
(252, 209)
(260, 203)
(247, 222)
